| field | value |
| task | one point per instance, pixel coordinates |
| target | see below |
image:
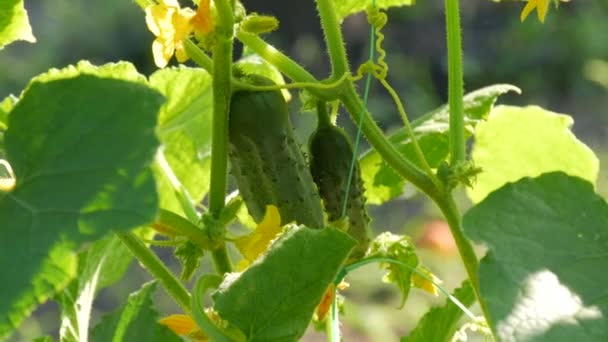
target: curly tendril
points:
(379, 69)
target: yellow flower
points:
(541, 8)
(171, 25)
(424, 283)
(202, 21)
(254, 244)
(184, 325)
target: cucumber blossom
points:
(331, 154)
(266, 160)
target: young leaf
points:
(135, 321)
(100, 266)
(439, 324)
(184, 128)
(80, 148)
(14, 23)
(189, 255)
(345, 8)
(382, 183)
(517, 142)
(274, 299)
(543, 278)
(399, 248)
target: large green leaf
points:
(382, 183)
(80, 147)
(14, 24)
(517, 142)
(439, 324)
(543, 278)
(135, 321)
(184, 128)
(274, 299)
(344, 8)
(101, 265)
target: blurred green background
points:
(561, 65)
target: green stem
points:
(156, 267)
(173, 224)
(455, 83)
(322, 115)
(198, 56)
(333, 37)
(389, 153)
(222, 74)
(221, 260)
(275, 57)
(465, 248)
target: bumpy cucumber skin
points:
(266, 160)
(331, 153)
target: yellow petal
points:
(180, 53)
(254, 244)
(202, 21)
(543, 6)
(424, 283)
(170, 3)
(180, 324)
(161, 53)
(531, 5)
(326, 301)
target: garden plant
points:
(98, 163)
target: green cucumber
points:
(331, 153)
(267, 162)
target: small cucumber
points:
(266, 160)
(331, 153)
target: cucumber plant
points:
(101, 162)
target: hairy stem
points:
(333, 37)
(198, 56)
(465, 248)
(156, 267)
(275, 57)
(222, 73)
(455, 82)
(389, 153)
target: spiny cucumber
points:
(331, 153)
(266, 160)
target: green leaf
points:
(542, 278)
(274, 299)
(439, 324)
(14, 23)
(344, 8)
(184, 129)
(80, 148)
(519, 142)
(137, 320)
(252, 63)
(399, 248)
(5, 107)
(382, 183)
(100, 266)
(43, 339)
